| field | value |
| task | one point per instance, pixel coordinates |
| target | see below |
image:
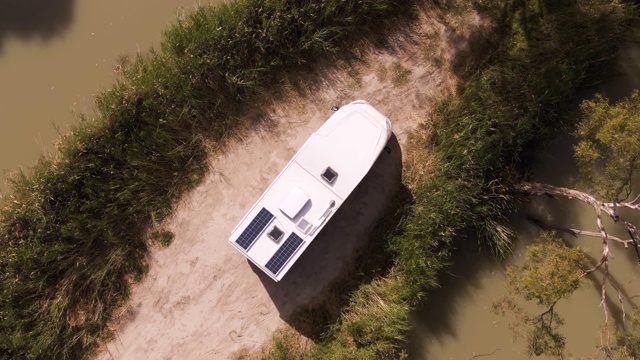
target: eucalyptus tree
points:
(608, 155)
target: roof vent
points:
(294, 202)
(329, 175)
(275, 234)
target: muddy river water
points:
(457, 322)
(56, 54)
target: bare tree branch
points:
(605, 254)
(603, 231)
(487, 354)
(599, 206)
(546, 189)
(635, 200)
(603, 303)
(633, 232)
(624, 313)
(576, 232)
(630, 205)
(602, 261)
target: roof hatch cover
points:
(294, 202)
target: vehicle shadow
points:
(34, 19)
(332, 253)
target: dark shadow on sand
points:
(336, 247)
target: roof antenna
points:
(334, 108)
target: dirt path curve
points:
(201, 298)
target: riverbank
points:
(475, 137)
(81, 42)
(476, 281)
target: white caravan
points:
(311, 187)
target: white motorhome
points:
(311, 187)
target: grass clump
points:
(163, 237)
(534, 56)
(400, 75)
(432, 52)
(72, 231)
(396, 74)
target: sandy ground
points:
(201, 298)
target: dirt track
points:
(201, 298)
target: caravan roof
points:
(311, 187)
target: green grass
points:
(163, 237)
(432, 52)
(396, 74)
(72, 232)
(400, 75)
(515, 80)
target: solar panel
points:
(251, 233)
(284, 253)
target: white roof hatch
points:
(294, 202)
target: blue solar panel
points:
(284, 253)
(251, 233)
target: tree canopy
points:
(608, 151)
(608, 155)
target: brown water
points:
(457, 321)
(56, 54)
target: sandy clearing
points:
(201, 298)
